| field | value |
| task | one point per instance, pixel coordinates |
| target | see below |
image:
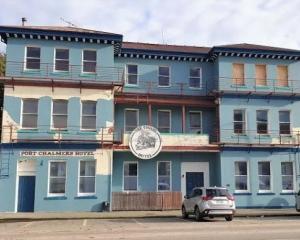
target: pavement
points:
(39, 216)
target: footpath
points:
(39, 216)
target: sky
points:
(182, 22)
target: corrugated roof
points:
(247, 46)
(165, 47)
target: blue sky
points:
(183, 22)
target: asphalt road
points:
(155, 228)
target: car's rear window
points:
(217, 192)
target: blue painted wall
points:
(147, 169)
(276, 198)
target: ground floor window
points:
(87, 172)
(264, 175)
(241, 176)
(287, 175)
(164, 176)
(130, 176)
(57, 178)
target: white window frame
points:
(25, 58)
(245, 121)
(126, 74)
(271, 178)
(157, 176)
(79, 176)
(200, 78)
(54, 64)
(52, 123)
(268, 122)
(21, 117)
(137, 176)
(201, 120)
(294, 178)
(170, 121)
(158, 75)
(248, 178)
(290, 122)
(48, 188)
(138, 117)
(82, 61)
(81, 115)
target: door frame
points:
(194, 167)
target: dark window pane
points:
(60, 107)
(30, 106)
(238, 115)
(89, 122)
(87, 168)
(163, 183)
(240, 168)
(89, 67)
(57, 185)
(163, 81)
(264, 168)
(239, 128)
(62, 65)
(60, 121)
(262, 128)
(89, 108)
(195, 119)
(132, 69)
(264, 183)
(262, 116)
(29, 121)
(195, 72)
(163, 71)
(131, 119)
(284, 116)
(62, 54)
(130, 169)
(87, 185)
(33, 63)
(195, 82)
(57, 169)
(33, 52)
(89, 55)
(241, 183)
(164, 168)
(132, 79)
(287, 168)
(285, 128)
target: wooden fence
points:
(131, 201)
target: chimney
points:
(23, 21)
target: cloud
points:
(188, 22)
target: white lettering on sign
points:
(56, 153)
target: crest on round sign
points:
(145, 142)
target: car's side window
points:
(198, 192)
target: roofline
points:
(60, 33)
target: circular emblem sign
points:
(145, 142)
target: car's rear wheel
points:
(198, 214)
(184, 213)
(229, 218)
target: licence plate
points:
(221, 202)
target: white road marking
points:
(137, 222)
(84, 223)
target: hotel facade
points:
(224, 116)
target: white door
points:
(200, 169)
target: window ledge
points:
(258, 136)
(262, 87)
(283, 88)
(87, 132)
(56, 198)
(29, 71)
(131, 85)
(265, 193)
(86, 197)
(242, 193)
(234, 135)
(287, 193)
(238, 86)
(29, 130)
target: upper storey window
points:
(61, 59)
(33, 58)
(88, 115)
(29, 113)
(282, 76)
(132, 74)
(60, 114)
(238, 75)
(195, 78)
(163, 76)
(89, 61)
(262, 121)
(260, 75)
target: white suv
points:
(209, 202)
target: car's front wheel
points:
(184, 213)
(198, 214)
(229, 218)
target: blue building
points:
(225, 115)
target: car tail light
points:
(230, 197)
(207, 198)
